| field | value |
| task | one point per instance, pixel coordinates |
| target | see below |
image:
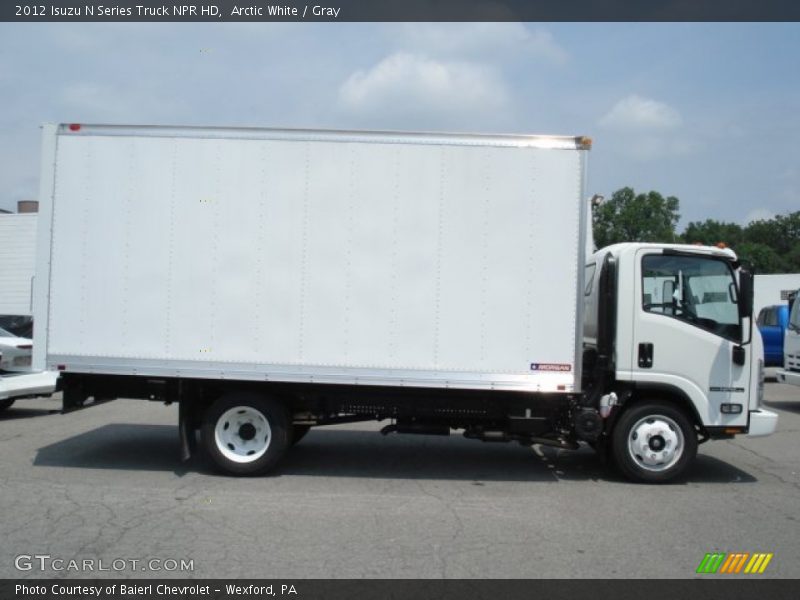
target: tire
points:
(245, 433)
(299, 432)
(653, 442)
(6, 404)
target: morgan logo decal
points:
(557, 367)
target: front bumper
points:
(762, 422)
(790, 377)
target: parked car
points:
(19, 325)
(772, 321)
(15, 352)
(14, 386)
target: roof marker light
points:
(74, 127)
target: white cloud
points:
(644, 129)
(636, 113)
(454, 76)
(413, 84)
(483, 40)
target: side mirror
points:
(745, 294)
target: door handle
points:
(645, 355)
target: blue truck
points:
(772, 322)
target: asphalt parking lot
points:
(107, 484)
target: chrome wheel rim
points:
(656, 443)
(242, 434)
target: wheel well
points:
(666, 394)
(199, 396)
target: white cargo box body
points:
(17, 262)
(312, 256)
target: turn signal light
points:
(731, 409)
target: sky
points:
(709, 113)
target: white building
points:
(774, 289)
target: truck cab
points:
(791, 346)
(673, 325)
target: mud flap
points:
(186, 431)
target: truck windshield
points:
(698, 290)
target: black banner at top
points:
(398, 10)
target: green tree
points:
(711, 232)
(791, 261)
(761, 257)
(781, 233)
(769, 245)
(781, 236)
(631, 217)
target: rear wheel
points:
(6, 404)
(654, 442)
(245, 433)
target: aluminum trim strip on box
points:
(305, 135)
(540, 382)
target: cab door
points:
(686, 326)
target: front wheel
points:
(654, 442)
(245, 433)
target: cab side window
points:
(697, 290)
(771, 317)
(767, 317)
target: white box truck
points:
(790, 373)
(273, 280)
(17, 263)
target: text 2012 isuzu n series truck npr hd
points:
(274, 280)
